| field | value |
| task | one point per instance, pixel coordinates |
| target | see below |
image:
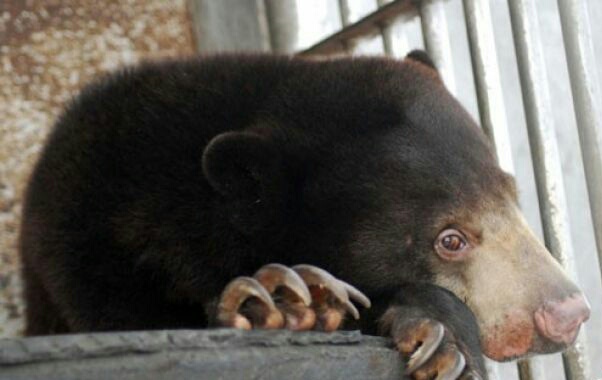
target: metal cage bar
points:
(387, 40)
(576, 32)
(436, 39)
(386, 32)
(487, 79)
(229, 25)
(344, 12)
(530, 369)
(546, 159)
(283, 25)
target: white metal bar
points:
(229, 25)
(386, 33)
(493, 369)
(487, 78)
(344, 12)
(586, 96)
(529, 369)
(283, 23)
(546, 159)
(436, 39)
(387, 36)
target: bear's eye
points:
(451, 244)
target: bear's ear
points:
(421, 56)
(247, 170)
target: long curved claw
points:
(447, 364)
(455, 367)
(272, 276)
(430, 347)
(235, 294)
(356, 295)
(434, 333)
(314, 276)
(351, 309)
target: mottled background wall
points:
(48, 50)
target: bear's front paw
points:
(303, 297)
(430, 349)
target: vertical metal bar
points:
(487, 78)
(546, 159)
(386, 33)
(492, 369)
(584, 83)
(387, 37)
(530, 369)
(283, 23)
(344, 11)
(436, 39)
(229, 25)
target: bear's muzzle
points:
(559, 321)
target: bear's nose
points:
(559, 321)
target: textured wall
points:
(48, 50)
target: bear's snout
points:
(559, 321)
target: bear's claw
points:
(239, 290)
(430, 334)
(272, 276)
(324, 281)
(299, 298)
(447, 365)
(430, 349)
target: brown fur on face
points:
(505, 278)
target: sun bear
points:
(283, 192)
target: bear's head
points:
(371, 169)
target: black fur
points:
(162, 183)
